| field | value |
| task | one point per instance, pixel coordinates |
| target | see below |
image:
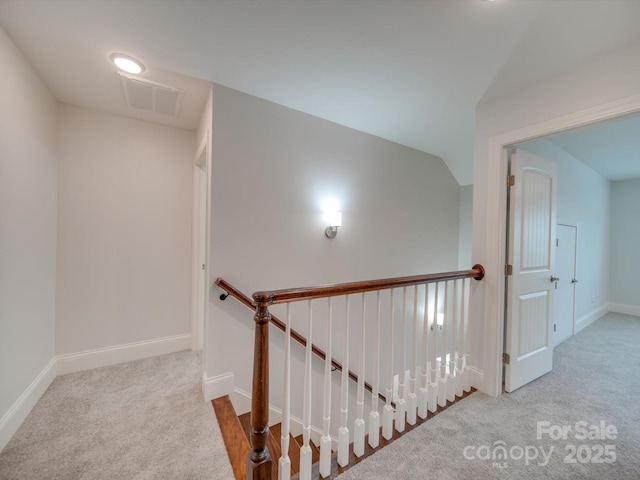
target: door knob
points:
(554, 279)
(574, 281)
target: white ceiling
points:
(408, 71)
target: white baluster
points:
(343, 431)
(284, 467)
(442, 376)
(433, 370)
(401, 406)
(465, 359)
(412, 401)
(305, 451)
(423, 393)
(358, 425)
(374, 416)
(325, 440)
(459, 342)
(451, 382)
(387, 412)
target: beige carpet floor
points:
(139, 420)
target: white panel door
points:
(565, 290)
(532, 225)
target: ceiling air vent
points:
(150, 96)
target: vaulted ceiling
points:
(408, 71)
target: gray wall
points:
(124, 230)
(28, 171)
(625, 235)
(272, 169)
(465, 227)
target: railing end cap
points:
(480, 274)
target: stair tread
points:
(315, 451)
(294, 448)
(274, 450)
(233, 435)
(245, 421)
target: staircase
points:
(418, 355)
(236, 431)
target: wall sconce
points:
(439, 321)
(334, 220)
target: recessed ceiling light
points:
(127, 63)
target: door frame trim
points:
(494, 292)
(200, 232)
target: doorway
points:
(493, 292)
(565, 287)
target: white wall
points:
(28, 169)
(584, 199)
(613, 77)
(272, 168)
(465, 227)
(124, 231)
(625, 232)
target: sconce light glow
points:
(333, 218)
(330, 205)
(127, 63)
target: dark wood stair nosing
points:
(236, 443)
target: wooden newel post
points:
(258, 459)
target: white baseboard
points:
(218, 386)
(477, 378)
(586, 320)
(11, 421)
(625, 309)
(102, 357)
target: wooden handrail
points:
(242, 298)
(309, 293)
